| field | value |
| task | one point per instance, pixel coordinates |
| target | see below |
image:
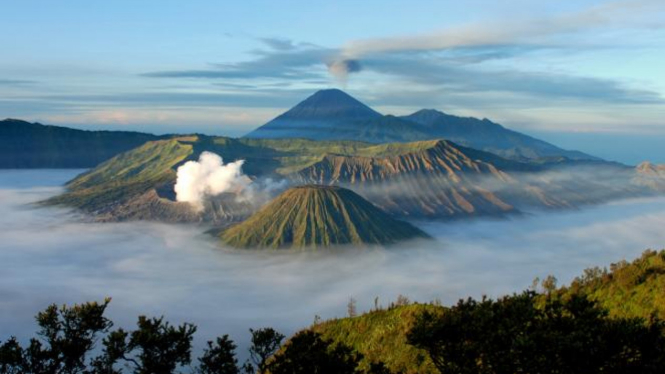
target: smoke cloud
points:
(209, 177)
(341, 69)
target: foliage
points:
(219, 358)
(307, 353)
(516, 335)
(67, 335)
(380, 336)
(606, 321)
(626, 289)
(265, 342)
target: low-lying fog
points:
(49, 255)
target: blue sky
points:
(224, 67)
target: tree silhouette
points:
(265, 342)
(219, 358)
(68, 335)
(308, 353)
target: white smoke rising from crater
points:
(209, 176)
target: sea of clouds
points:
(50, 255)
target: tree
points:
(531, 333)
(68, 335)
(219, 358)
(308, 353)
(11, 357)
(155, 347)
(351, 308)
(265, 342)
(377, 368)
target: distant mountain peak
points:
(331, 95)
(648, 166)
(330, 104)
(428, 111)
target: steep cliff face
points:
(318, 216)
(435, 180)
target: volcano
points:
(318, 216)
(324, 110)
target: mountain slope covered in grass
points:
(318, 216)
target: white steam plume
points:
(208, 177)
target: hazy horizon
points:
(626, 148)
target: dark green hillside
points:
(612, 321)
(318, 216)
(380, 336)
(627, 289)
(33, 145)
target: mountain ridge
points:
(434, 179)
(333, 123)
(486, 135)
(34, 145)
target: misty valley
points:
(182, 273)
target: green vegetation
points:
(627, 300)
(522, 334)
(125, 176)
(635, 289)
(381, 336)
(307, 353)
(312, 216)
